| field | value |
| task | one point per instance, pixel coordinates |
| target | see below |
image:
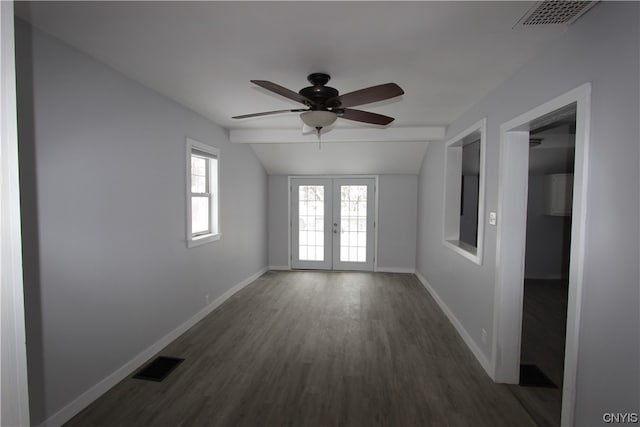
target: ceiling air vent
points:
(554, 12)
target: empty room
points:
(320, 213)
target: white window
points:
(202, 193)
(464, 192)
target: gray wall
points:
(397, 210)
(397, 222)
(278, 221)
(107, 271)
(548, 237)
(601, 48)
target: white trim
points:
(395, 270)
(202, 240)
(86, 398)
(479, 355)
(392, 134)
(376, 222)
(463, 249)
(369, 264)
(510, 252)
(14, 403)
(289, 223)
(451, 227)
(327, 261)
(214, 208)
(509, 290)
(279, 268)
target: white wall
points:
(601, 48)
(107, 270)
(397, 210)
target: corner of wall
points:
(86, 398)
(475, 349)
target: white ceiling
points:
(445, 55)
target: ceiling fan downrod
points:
(318, 129)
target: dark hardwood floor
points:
(544, 325)
(317, 349)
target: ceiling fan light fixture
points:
(318, 118)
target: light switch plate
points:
(493, 218)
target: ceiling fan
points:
(324, 104)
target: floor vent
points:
(532, 376)
(158, 369)
(554, 12)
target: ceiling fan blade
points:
(368, 95)
(266, 113)
(366, 117)
(283, 91)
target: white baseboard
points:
(479, 355)
(395, 270)
(86, 398)
(279, 267)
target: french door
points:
(332, 223)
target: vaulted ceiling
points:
(445, 55)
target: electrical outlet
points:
(484, 336)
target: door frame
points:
(14, 406)
(337, 195)
(511, 235)
(290, 218)
(328, 219)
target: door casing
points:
(333, 177)
(511, 234)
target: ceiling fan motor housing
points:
(319, 94)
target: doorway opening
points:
(510, 347)
(333, 223)
(546, 264)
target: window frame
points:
(452, 193)
(212, 192)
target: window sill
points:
(464, 249)
(203, 240)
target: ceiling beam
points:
(394, 134)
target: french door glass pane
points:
(311, 222)
(353, 223)
(199, 214)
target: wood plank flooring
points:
(317, 349)
(544, 326)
